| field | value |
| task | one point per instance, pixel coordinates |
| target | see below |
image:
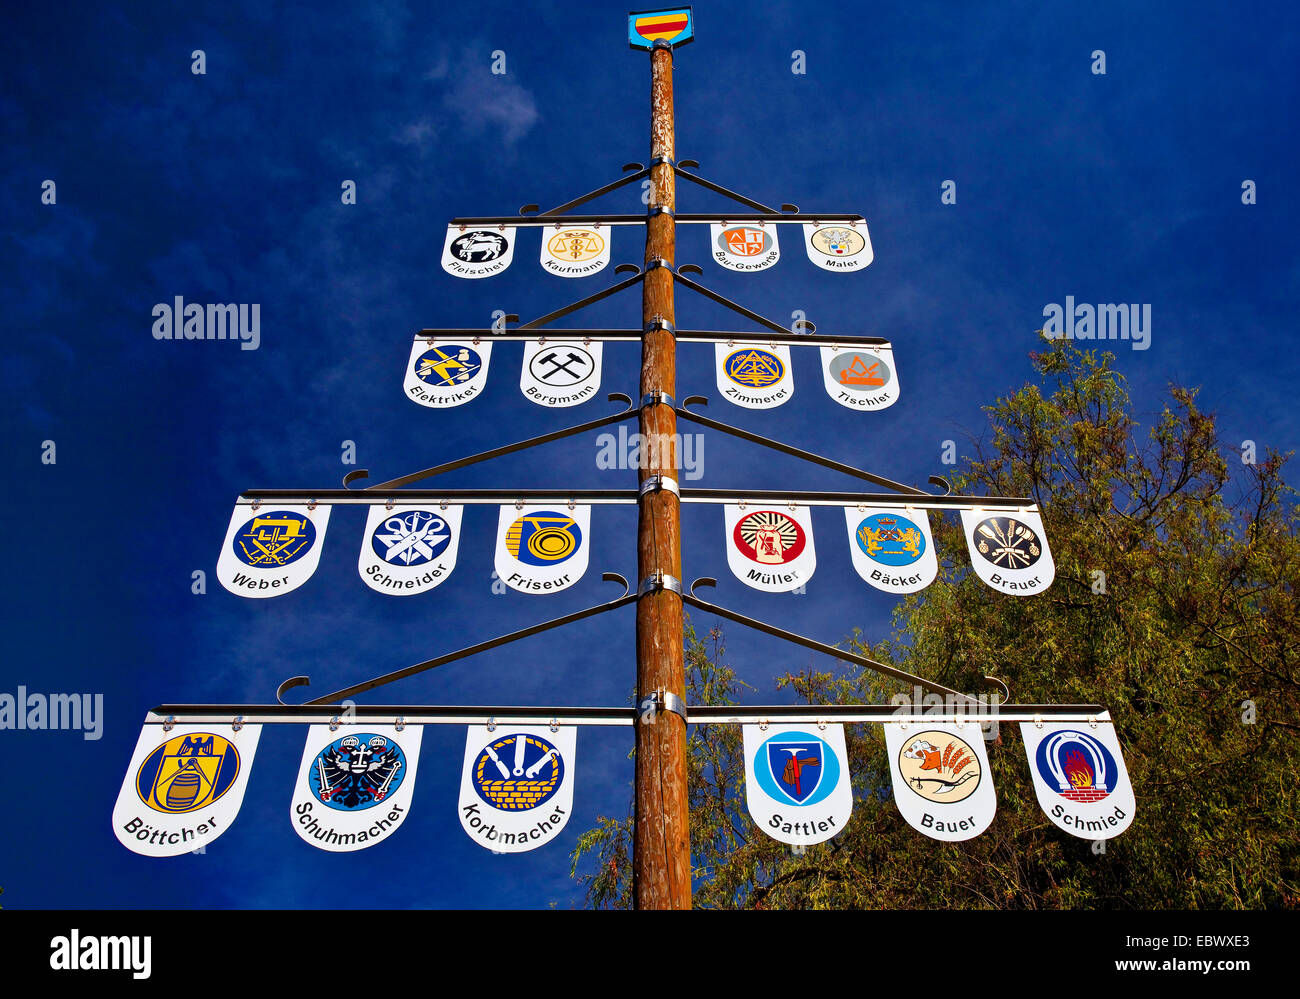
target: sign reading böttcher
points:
(183, 787)
(797, 781)
(516, 789)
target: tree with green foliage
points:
(1174, 604)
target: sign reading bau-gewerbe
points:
(676, 26)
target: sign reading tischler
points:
(516, 789)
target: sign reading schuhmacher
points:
(354, 785)
(516, 789)
(183, 787)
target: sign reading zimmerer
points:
(183, 787)
(516, 788)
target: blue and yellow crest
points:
(676, 26)
(187, 772)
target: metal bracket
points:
(663, 159)
(659, 323)
(666, 700)
(659, 581)
(656, 483)
(656, 398)
(655, 263)
(660, 210)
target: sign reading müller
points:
(354, 785)
(516, 789)
(184, 787)
(797, 781)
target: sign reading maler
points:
(516, 789)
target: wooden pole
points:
(661, 839)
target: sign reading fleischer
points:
(516, 788)
(1080, 777)
(542, 549)
(754, 377)
(269, 551)
(560, 374)
(838, 247)
(409, 549)
(770, 548)
(440, 374)
(1009, 550)
(354, 784)
(864, 379)
(797, 781)
(478, 253)
(183, 787)
(942, 784)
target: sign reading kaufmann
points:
(184, 787)
(797, 781)
(354, 785)
(409, 549)
(272, 549)
(575, 252)
(1080, 777)
(516, 789)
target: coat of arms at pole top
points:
(674, 25)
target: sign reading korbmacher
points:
(516, 788)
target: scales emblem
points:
(1007, 543)
(357, 771)
(576, 244)
(272, 539)
(187, 772)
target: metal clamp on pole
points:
(659, 581)
(657, 482)
(658, 399)
(663, 159)
(660, 210)
(663, 700)
(659, 323)
(656, 262)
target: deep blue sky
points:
(225, 188)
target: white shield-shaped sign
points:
(756, 377)
(746, 246)
(184, 787)
(409, 549)
(574, 252)
(541, 548)
(1009, 550)
(838, 246)
(797, 781)
(271, 550)
(516, 789)
(1080, 777)
(942, 783)
(560, 373)
(770, 548)
(478, 253)
(354, 785)
(862, 379)
(446, 373)
(892, 547)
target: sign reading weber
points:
(516, 789)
